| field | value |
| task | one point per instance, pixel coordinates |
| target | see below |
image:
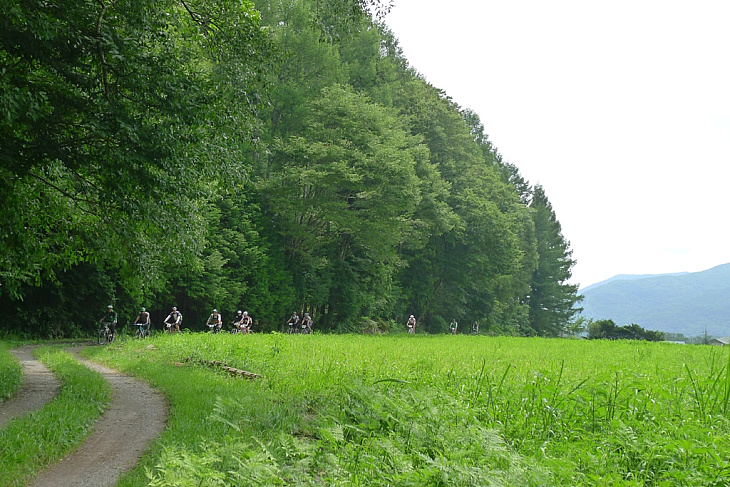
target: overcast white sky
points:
(620, 110)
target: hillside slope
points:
(688, 303)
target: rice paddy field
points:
(431, 410)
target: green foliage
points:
(342, 195)
(607, 329)
(272, 158)
(114, 113)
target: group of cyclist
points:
(300, 325)
(453, 326)
(110, 319)
(241, 323)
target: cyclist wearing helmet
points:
(143, 318)
(411, 324)
(293, 322)
(246, 322)
(236, 323)
(215, 321)
(110, 319)
(306, 323)
(173, 320)
(453, 326)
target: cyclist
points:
(453, 326)
(306, 323)
(411, 324)
(236, 323)
(293, 322)
(246, 322)
(110, 319)
(143, 318)
(215, 321)
(474, 328)
(173, 320)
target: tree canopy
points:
(267, 156)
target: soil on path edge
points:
(136, 416)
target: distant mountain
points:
(628, 277)
(689, 302)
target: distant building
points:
(719, 341)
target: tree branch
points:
(101, 50)
(75, 199)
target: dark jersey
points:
(110, 317)
(144, 317)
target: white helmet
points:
(245, 313)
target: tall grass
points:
(33, 441)
(403, 410)
(10, 372)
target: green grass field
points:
(432, 410)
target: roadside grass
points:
(438, 410)
(30, 442)
(11, 374)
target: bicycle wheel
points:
(140, 333)
(101, 336)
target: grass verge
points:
(11, 374)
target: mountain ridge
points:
(691, 303)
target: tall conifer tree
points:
(552, 298)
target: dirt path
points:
(136, 416)
(39, 386)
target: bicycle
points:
(171, 328)
(214, 327)
(142, 331)
(106, 334)
(237, 327)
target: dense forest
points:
(266, 156)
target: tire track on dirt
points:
(136, 416)
(39, 386)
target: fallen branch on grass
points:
(231, 370)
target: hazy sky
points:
(620, 110)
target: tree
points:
(239, 268)
(607, 329)
(341, 196)
(113, 114)
(473, 264)
(552, 299)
